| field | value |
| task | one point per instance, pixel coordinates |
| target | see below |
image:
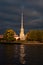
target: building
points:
(22, 35)
(16, 37)
(1, 36)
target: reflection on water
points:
(15, 51)
(22, 54)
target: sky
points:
(10, 15)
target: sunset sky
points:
(10, 15)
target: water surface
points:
(14, 54)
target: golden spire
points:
(22, 36)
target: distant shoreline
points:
(23, 42)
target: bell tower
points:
(22, 35)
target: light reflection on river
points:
(22, 54)
(15, 54)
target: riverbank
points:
(22, 42)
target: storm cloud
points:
(10, 14)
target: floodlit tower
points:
(22, 35)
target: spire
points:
(22, 20)
(22, 35)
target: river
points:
(20, 54)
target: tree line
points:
(32, 35)
(35, 35)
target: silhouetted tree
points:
(9, 35)
(35, 35)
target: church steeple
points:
(22, 20)
(22, 36)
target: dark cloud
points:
(10, 14)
